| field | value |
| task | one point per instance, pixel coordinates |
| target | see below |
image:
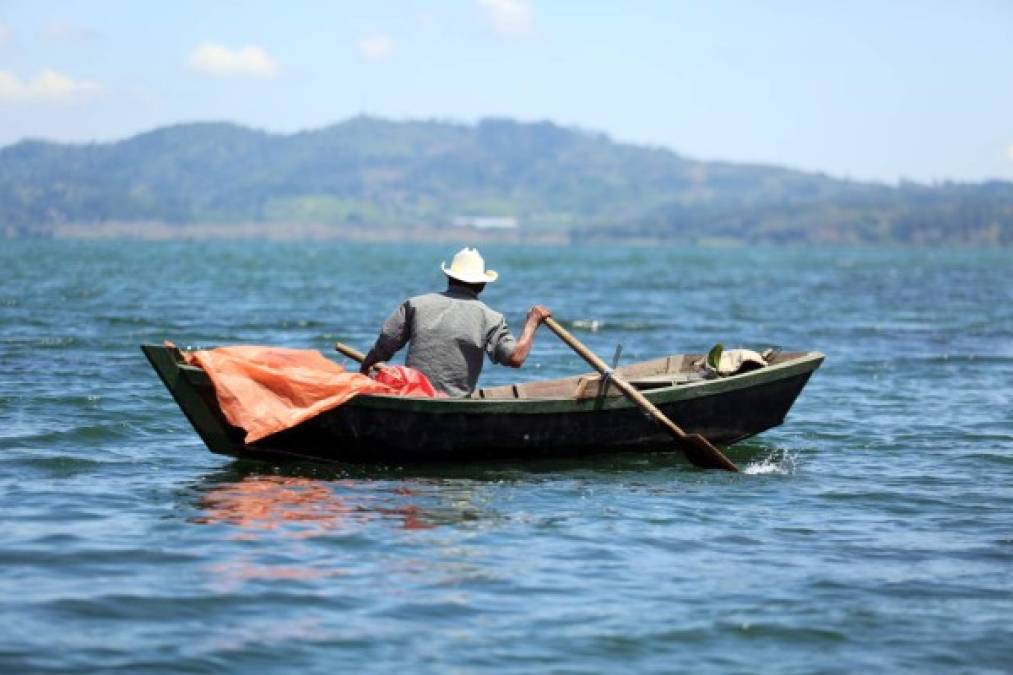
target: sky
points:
(881, 91)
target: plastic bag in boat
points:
(407, 381)
(264, 390)
(721, 362)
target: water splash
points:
(778, 462)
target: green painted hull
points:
(396, 429)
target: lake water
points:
(873, 531)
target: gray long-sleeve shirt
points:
(448, 335)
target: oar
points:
(698, 450)
(354, 354)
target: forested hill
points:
(368, 175)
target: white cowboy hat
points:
(468, 266)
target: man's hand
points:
(536, 315)
(367, 367)
(539, 313)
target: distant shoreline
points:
(159, 231)
(294, 232)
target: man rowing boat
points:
(448, 333)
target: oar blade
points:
(702, 453)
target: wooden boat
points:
(561, 417)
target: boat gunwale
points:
(806, 363)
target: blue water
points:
(873, 531)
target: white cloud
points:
(65, 31)
(375, 47)
(250, 61)
(1009, 151)
(510, 18)
(48, 85)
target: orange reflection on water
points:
(303, 507)
(243, 571)
(268, 502)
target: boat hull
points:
(392, 429)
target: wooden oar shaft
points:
(576, 345)
(619, 382)
(355, 355)
(703, 452)
(595, 361)
(350, 352)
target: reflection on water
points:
(314, 518)
(238, 572)
(303, 507)
(269, 502)
(299, 500)
(254, 502)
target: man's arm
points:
(536, 315)
(393, 336)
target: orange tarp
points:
(264, 390)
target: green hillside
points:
(368, 174)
